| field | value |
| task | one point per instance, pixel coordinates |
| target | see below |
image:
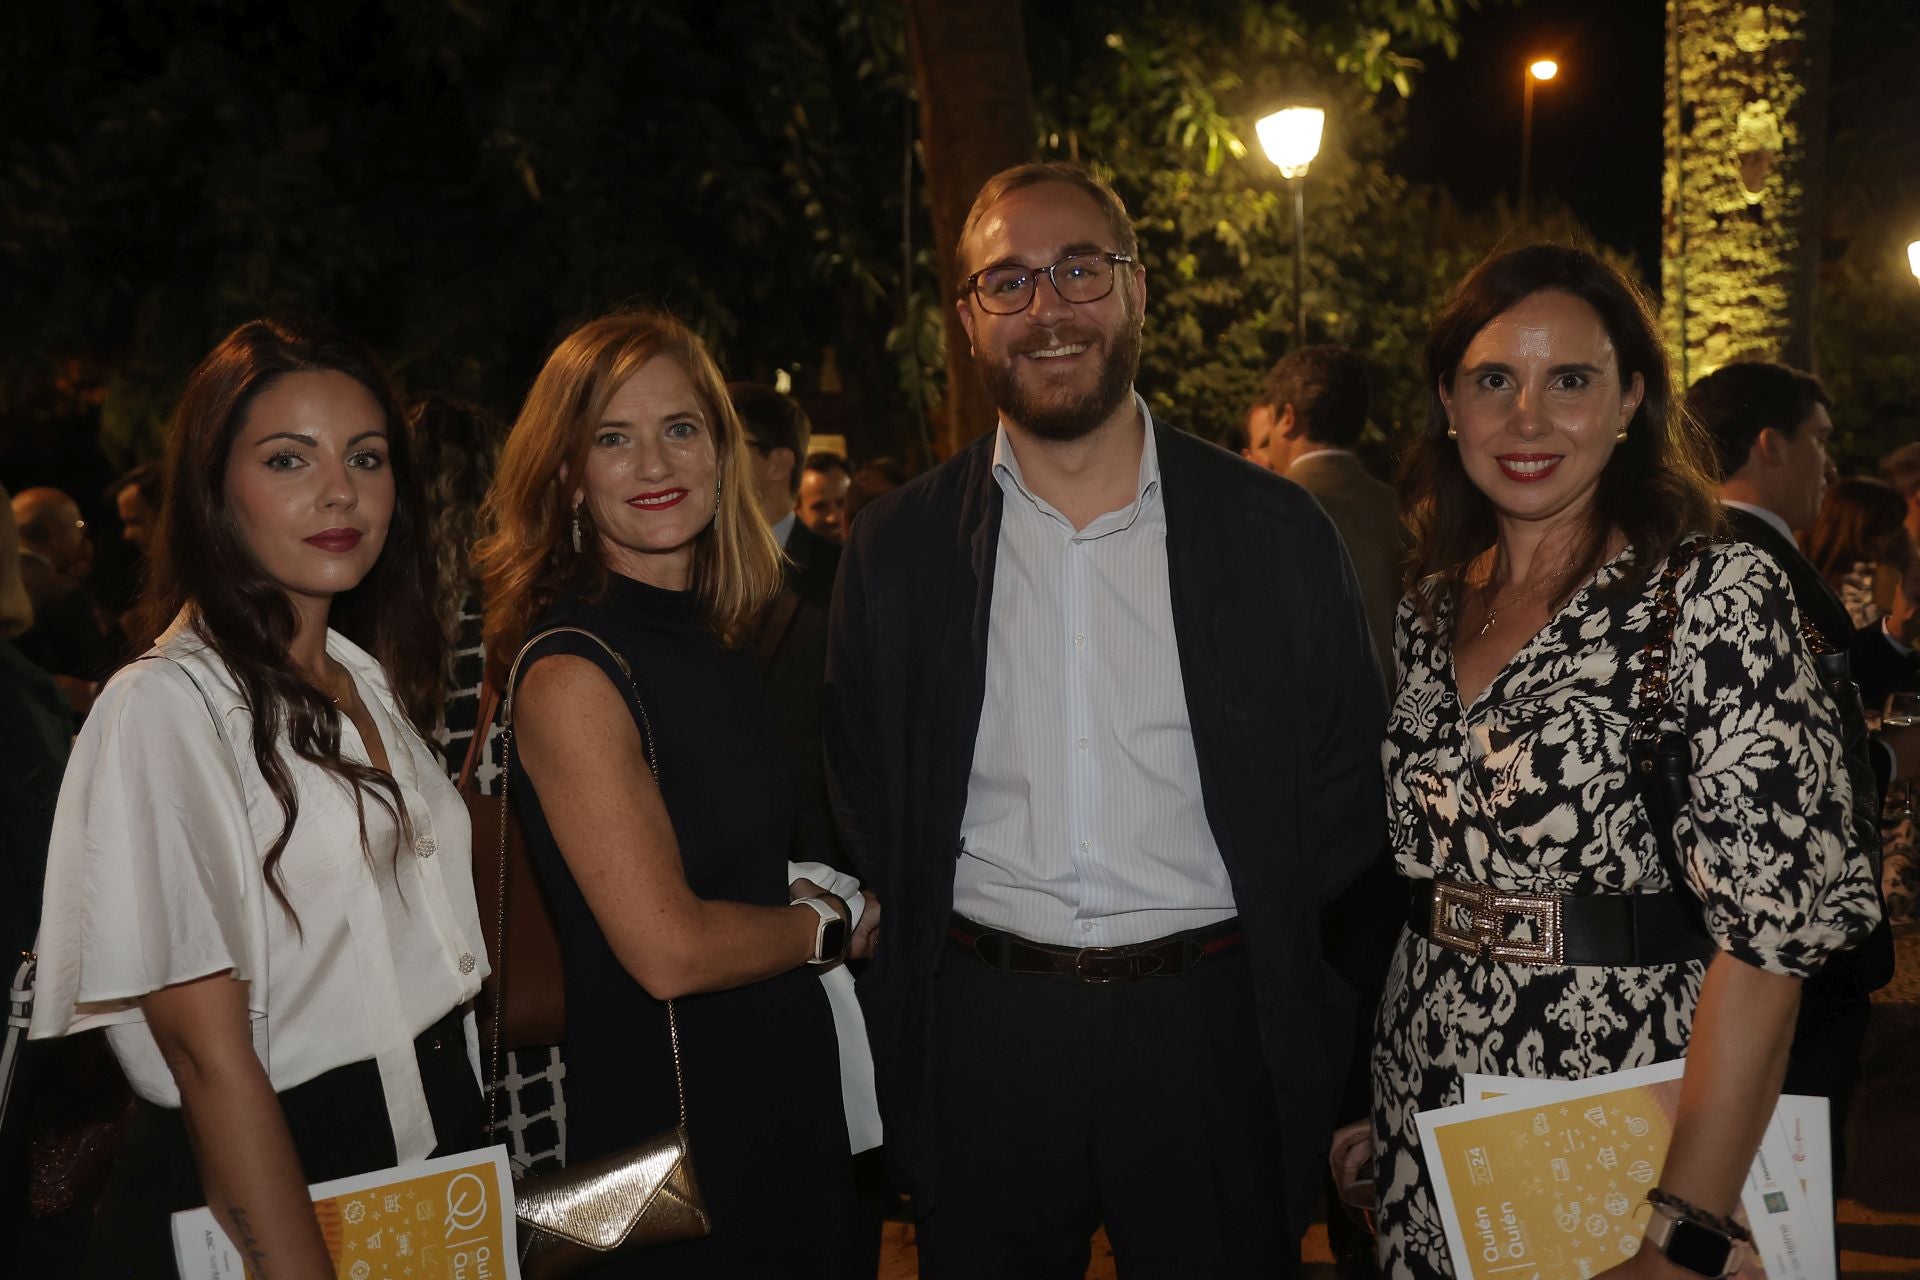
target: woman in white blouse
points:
(259, 879)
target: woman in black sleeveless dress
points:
(676, 891)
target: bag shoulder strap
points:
(482, 725)
(506, 696)
(1653, 696)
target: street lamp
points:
(1913, 258)
(1539, 69)
(1291, 139)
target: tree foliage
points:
(454, 180)
(1162, 96)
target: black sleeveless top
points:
(767, 1127)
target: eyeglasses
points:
(1078, 277)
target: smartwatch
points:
(830, 936)
(1702, 1249)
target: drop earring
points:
(576, 528)
(1622, 434)
(1453, 432)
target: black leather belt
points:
(1162, 958)
(1599, 929)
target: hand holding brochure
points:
(1547, 1180)
(444, 1219)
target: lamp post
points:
(1291, 139)
(1537, 70)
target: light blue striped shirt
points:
(1084, 823)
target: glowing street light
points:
(1291, 139)
(1538, 71)
(1913, 258)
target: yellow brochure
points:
(1551, 1183)
(444, 1219)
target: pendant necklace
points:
(1493, 613)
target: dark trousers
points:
(338, 1122)
(1144, 1105)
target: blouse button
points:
(424, 846)
(466, 962)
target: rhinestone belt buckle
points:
(1484, 930)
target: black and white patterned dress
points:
(1527, 790)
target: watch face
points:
(1698, 1248)
(833, 938)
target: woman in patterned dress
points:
(1554, 479)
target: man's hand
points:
(867, 935)
(1350, 1161)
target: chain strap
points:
(1654, 695)
(500, 911)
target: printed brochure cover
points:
(444, 1219)
(1547, 1180)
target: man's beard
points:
(1071, 421)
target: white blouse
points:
(155, 877)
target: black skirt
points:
(154, 1175)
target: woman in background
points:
(259, 880)
(1861, 546)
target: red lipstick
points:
(657, 501)
(1528, 468)
(336, 540)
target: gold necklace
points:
(1493, 612)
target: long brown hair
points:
(528, 560)
(1861, 519)
(200, 562)
(1656, 487)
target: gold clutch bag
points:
(574, 1220)
(586, 1214)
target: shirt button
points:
(1080, 641)
(424, 846)
(1086, 926)
(1082, 744)
(1085, 845)
(466, 962)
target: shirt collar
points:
(1006, 471)
(783, 527)
(1323, 451)
(1770, 517)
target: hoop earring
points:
(576, 528)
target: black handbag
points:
(1662, 764)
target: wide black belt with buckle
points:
(1162, 958)
(1596, 929)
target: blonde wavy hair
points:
(528, 560)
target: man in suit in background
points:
(1104, 732)
(825, 482)
(791, 640)
(777, 436)
(1319, 397)
(1770, 426)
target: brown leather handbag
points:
(574, 1220)
(527, 1008)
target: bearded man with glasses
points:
(1104, 729)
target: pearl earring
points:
(1453, 433)
(576, 528)
(1622, 434)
